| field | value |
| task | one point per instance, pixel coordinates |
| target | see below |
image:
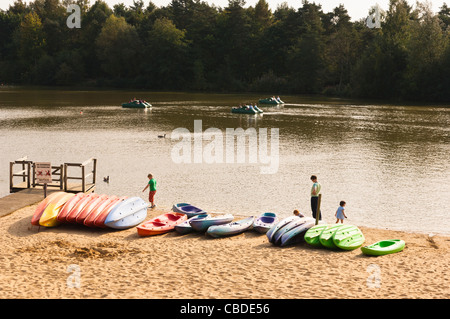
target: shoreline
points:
(119, 264)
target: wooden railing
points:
(60, 176)
(25, 173)
(83, 166)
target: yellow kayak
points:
(48, 218)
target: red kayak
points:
(42, 205)
(89, 207)
(161, 224)
(72, 216)
(89, 220)
(99, 221)
(65, 210)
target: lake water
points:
(390, 163)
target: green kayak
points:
(348, 237)
(384, 247)
(312, 235)
(326, 237)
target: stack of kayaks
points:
(188, 209)
(232, 228)
(161, 224)
(384, 247)
(264, 222)
(92, 210)
(289, 230)
(335, 236)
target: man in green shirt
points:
(315, 190)
(151, 194)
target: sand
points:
(73, 261)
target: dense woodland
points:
(193, 46)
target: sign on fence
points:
(43, 172)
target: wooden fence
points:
(86, 176)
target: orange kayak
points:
(72, 216)
(99, 221)
(161, 224)
(89, 220)
(65, 210)
(42, 205)
(89, 207)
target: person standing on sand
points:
(151, 194)
(315, 190)
(340, 214)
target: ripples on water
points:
(389, 163)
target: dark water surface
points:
(391, 164)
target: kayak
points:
(188, 209)
(276, 238)
(176, 207)
(42, 205)
(137, 104)
(84, 213)
(263, 223)
(278, 226)
(89, 220)
(161, 224)
(202, 224)
(384, 247)
(296, 234)
(326, 237)
(233, 228)
(270, 100)
(65, 210)
(128, 213)
(348, 237)
(48, 218)
(313, 234)
(99, 220)
(185, 227)
(72, 215)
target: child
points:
(340, 214)
(151, 195)
(297, 213)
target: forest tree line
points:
(191, 45)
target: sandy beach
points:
(72, 261)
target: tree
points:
(31, 39)
(444, 15)
(93, 21)
(118, 46)
(165, 50)
(426, 48)
(306, 56)
(341, 50)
